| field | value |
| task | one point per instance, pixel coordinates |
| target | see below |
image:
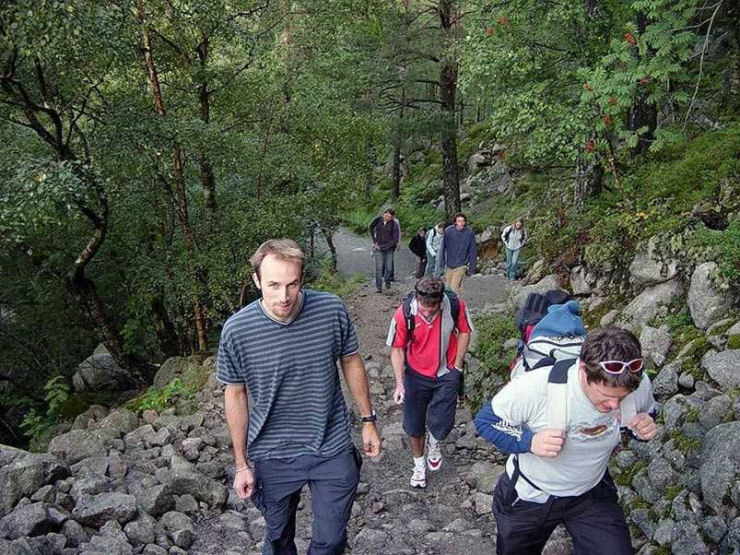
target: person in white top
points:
(434, 242)
(559, 475)
(514, 237)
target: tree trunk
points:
(643, 114)
(589, 179)
(332, 248)
(181, 198)
(397, 140)
(447, 91)
(207, 178)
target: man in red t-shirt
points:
(427, 368)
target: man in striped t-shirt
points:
(284, 405)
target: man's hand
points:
(244, 483)
(644, 426)
(548, 443)
(370, 439)
(399, 394)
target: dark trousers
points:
(594, 520)
(430, 403)
(333, 483)
(421, 267)
(384, 267)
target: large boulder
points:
(723, 367)
(650, 267)
(582, 282)
(30, 520)
(76, 445)
(656, 342)
(647, 304)
(101, 373)
(199, 486)
(25, 474)
(519, 293)
(175, 367)
(98, 509)
(121, 421)
(708, 302)
(720, 465)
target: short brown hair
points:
(389, 211)
(611, 344)
(429, 290)
(286, 250)
(459, 215)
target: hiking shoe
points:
(434, 457)
(419, 478)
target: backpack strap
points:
(454, 305)
(627, 410)
(557, 394)
(408, 317)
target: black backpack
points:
(409, 318)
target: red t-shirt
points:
(424, 353)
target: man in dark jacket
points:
(418, 246)
(384, 233)
(457, 255)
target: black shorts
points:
(430, 403)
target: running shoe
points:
(434, 456)
(419, 478)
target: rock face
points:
(100, 373)
(519, 294)
(721, 466)
(76, 445)
(723, 367)
(647, 304)
(707, 302)
(174, 367)
(649, 267)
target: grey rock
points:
(483, 476)
(643, 308)
(17, 547)
(25, 474)
(641, 518)
(233, 520)
(715, 411)
(50, 544)
(418, 525)
(175, 367)
(100, 373)
(626, 458)
(714, 529)
(91, 486)
(74, 532)
(458, 525)
(665, 532)
(186, 504)
(482, 503)
(108, 545)
(173, 521)
(723, 367)
(688, 540)
(581, 282)
(120, 421)
(90, 467)
(655, 342)
(661, 474)
(686, 507)
(609, 318)
(31, 520)
(76, 445)
(98, 509)
(731, 541)
(45, 494)
(155, 500)
(649, 267)
(370, 540)
(519, 293)
(665, 383)
(182, 538)
(721, 464)
(154, 549)
(199, 486)
(686, 379)
(708, 302)
(93, 414)
(141, 531)
(645, 488)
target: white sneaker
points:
(434, 456)
(419, 477)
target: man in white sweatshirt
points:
(514, 238)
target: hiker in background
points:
(561, 424)
(514, 237)
(398, 246)
(418, 246)
(385, 233)
(457, 254)
(429, 337)
(434, 242)
(284, 406)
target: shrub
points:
(493, 332)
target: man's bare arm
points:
(398, 358)
(463, 341)
(354, 374)
(237, 417)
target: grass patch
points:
(493, 332)
(624, 478)
(324, 279)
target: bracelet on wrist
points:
(242, 469)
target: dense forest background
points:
(148, 146)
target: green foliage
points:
(624, 476)
(684, 443)
(324, 279)
(154, 399)
(492, 332)
(38, 425)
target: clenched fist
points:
(548, 443)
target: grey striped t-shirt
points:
(296, 405)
